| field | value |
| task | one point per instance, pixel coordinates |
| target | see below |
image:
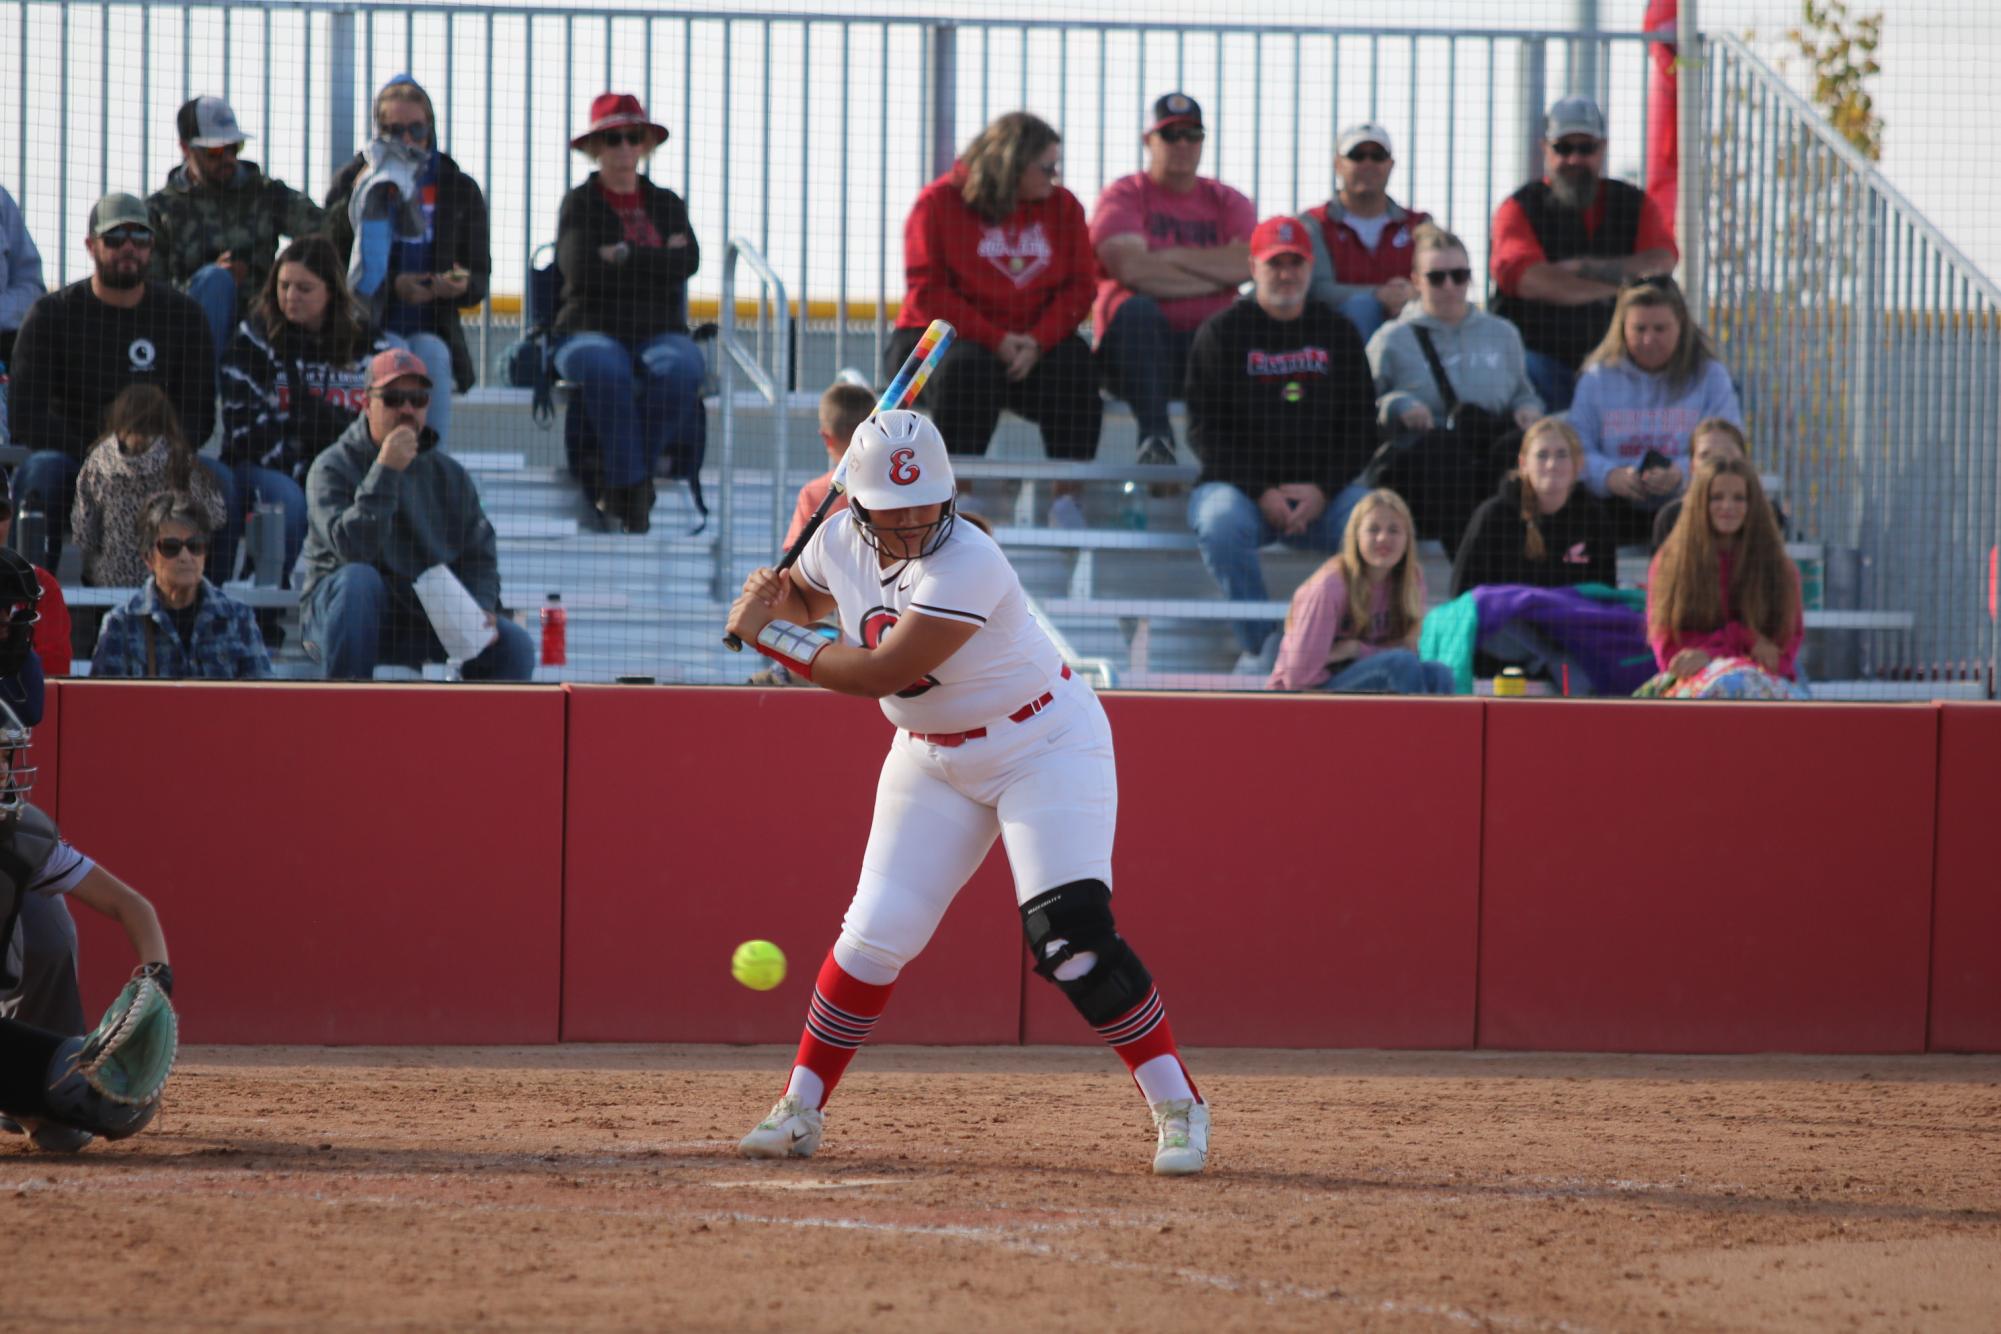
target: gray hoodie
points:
(403, 523)
(1482, 355)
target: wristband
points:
(793, 645)
(160, 973)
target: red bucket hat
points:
(614, 111)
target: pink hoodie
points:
(1733, 639)
(1319, 618)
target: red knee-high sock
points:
(838, 1021)
(1143, 1033)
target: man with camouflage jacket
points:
(217, 222)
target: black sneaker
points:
(1156, 451)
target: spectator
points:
(294, 378)
(219, 218)
(52, 626)
(387, 507)
(1723, 588)
(81, 346)
(1362, 251)
(179, 624)
(1713, 438)
(1354, 625)
(442, 266)
(1564, 245)
(626, 252)
(842, 408)
(1172, 251)
(1450, 389)
(1001, 250)
(143, 453)
(20, 275)
(1281, 411)
(1543, 528)
(1650, 381)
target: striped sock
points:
(1142, 1036)
(842, 1015)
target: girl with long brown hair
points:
(1723, 587)
(1354, 625)
(144, 452)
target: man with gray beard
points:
(1564, 245)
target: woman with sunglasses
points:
(1643, 392)
(626, 251)
(431, 275)
(999, 247)
(179, 624)
(1446, 421)
(144, 452)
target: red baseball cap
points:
(1281, 236)
(396, 364)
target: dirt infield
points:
(596, 1188)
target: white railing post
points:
(1692, 151)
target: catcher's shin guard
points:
(71, 1100)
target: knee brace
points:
(1076, 919)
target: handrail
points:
(735, 354)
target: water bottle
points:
(267, 541)
(31, 529)
(1132, 507)
(555, 632)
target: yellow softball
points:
(758, 964)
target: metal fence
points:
(1867, 348)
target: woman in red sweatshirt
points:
(1001, 250)
(1722, 594)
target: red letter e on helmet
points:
(902, 468)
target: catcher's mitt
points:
(130, 1053)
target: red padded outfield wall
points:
(339, 864)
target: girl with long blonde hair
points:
(1354, 625)
(1542, 528)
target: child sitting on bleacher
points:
(843, 407)
(143, 453)
(1714, 438)
(1354, 625)
(1723, 598)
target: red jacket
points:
(1355, 265)
(1031, 273)
(51, 637)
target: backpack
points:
(529, 362)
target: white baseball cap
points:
(1368, 132)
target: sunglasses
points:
(1440, 277)
(226, 150)
(415, 131)
(1367, 155)
(1660, 282)
(170, 547)
(633, 138)
(1175, 134)
(1577, 147)
(120, 237)
(397, 398)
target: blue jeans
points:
(436, 354)
(50, 476)
(1364, 312)
(1144, 362)
(1229, 529)
(1394, 671)
(241, 488)
(358, 621)
(1555, 383)
(641, 399)
(214, 290)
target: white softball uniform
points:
(1046, 784)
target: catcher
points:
(52, 1087)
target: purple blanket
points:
(1604, 636)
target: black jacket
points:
(1276, 401)
(459, 237)
(1578, 547)
(645, 295)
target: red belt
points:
(1020, 715)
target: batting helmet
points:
(897, 460)
(20, 601)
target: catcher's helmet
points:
(17, 769)
(20, 601)
(897, 460)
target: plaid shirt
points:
(227, 645)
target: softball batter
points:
(993, 737)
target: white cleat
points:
(793, 1131)
(1184, 1137)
